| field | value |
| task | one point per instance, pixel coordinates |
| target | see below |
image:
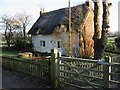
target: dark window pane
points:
(58, 44)
(43, 43)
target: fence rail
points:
(65, 72)
(76, 71)
(36, 68)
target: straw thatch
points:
(47, 22)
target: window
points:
(42, 43)
(58, 44)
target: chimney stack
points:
(41, 11)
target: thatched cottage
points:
(51, 30)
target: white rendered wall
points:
(50, 43)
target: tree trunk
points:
(105, 25)
(70, 47)
(96, 29)
(7, 37)
(7, 40)
(100, 41)
(80, 43)
(24, 35)
(84, 41)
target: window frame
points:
(42, 43)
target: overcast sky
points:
(32, 7)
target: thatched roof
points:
(47, 22)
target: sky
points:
(32, 8)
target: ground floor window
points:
(42, 43)
(59, 46)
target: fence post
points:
(54, 68)
(107, 70)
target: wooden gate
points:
(84, 73)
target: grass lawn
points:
(9, 53)
(111, 40)
(111, 45)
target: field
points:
(111, 40)
(111, 45)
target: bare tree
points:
(63, 35)
(23, 20)
(8, 25)
(15, 27)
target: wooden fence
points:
(70, 72)
(39, 69)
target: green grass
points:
(111, 40)
(9, 53)
(111, 45)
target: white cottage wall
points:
(50, 43)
